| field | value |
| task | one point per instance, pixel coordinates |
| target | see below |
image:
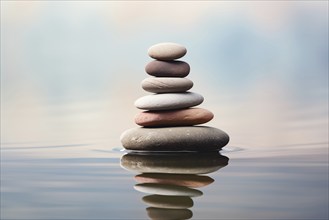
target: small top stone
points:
(167, 51)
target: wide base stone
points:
(188, 138)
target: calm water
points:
(285, 182)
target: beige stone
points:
(167, 51)
(166, 84)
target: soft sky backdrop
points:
(71, 70)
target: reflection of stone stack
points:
(171, 180)
(169, 120)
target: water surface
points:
(287, 182)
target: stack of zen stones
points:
(168, 124)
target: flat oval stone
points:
(165, 214)
(188, 180)
(167, 68)
(167, 51)
(166, 84)
(170, 202)
(169, 101)
(186, 138)
(169, 190)
(174, 163)
(182, 117)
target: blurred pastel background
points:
(71, 70)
